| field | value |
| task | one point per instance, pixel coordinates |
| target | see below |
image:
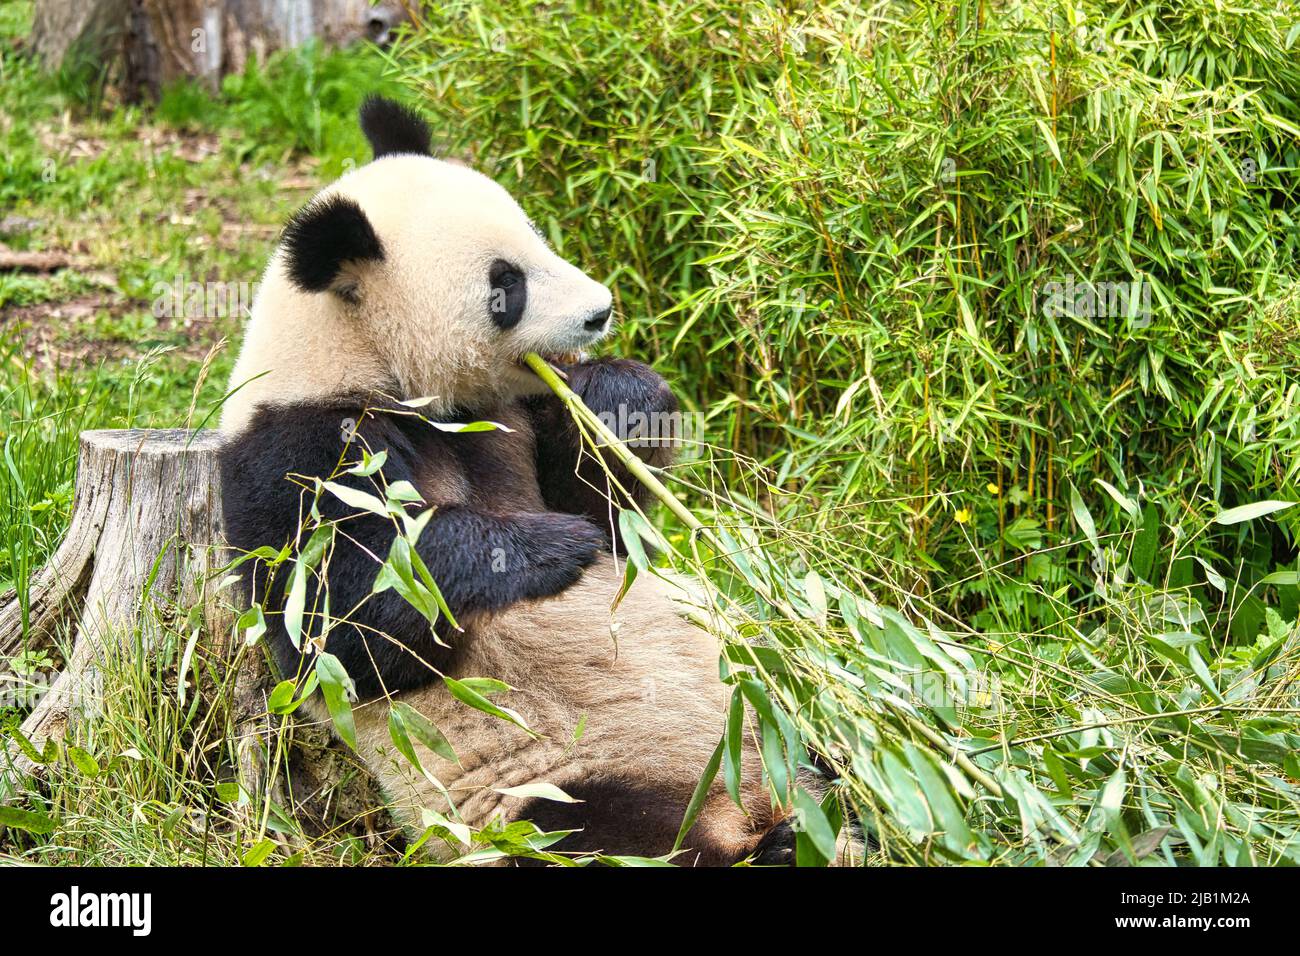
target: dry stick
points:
(642, 473)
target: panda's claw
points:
(557, 547)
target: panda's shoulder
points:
(308, 436)
(269, 465)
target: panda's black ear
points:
(325, 236)
(394, 128)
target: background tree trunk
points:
(157, 42)
(87, 29)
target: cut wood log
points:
(142, 559)
(19, 261)
(144, 543)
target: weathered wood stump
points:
(142, 559)
(146, 530)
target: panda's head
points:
(414, 275)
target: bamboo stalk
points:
(614, 444)
(641, 471)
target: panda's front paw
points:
(559, 546)
(620, 387)
(635, 403)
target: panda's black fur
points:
(387, 646)
(393, 128)
(323, 236)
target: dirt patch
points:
(59, 335)
(47, 342)
(72, 142)
(84, 328)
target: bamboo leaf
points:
(466, 694)
(539, 791)
(700, 795)
(1084, 517)
(1249, 512)
(338, 690)
(26, 820)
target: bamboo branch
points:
(609, 440)
(641, 471)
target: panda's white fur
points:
(645, 681)
(417, 316)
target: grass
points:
(197, 191)
(994, 553)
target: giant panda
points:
(415, 278)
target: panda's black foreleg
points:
(481, 562)
(486, 562)
(637, 405)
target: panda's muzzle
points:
(594, 328)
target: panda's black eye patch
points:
(508, 294)
(503, 274)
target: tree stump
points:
(142, 559)
(146, 530)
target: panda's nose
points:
(596, 321)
